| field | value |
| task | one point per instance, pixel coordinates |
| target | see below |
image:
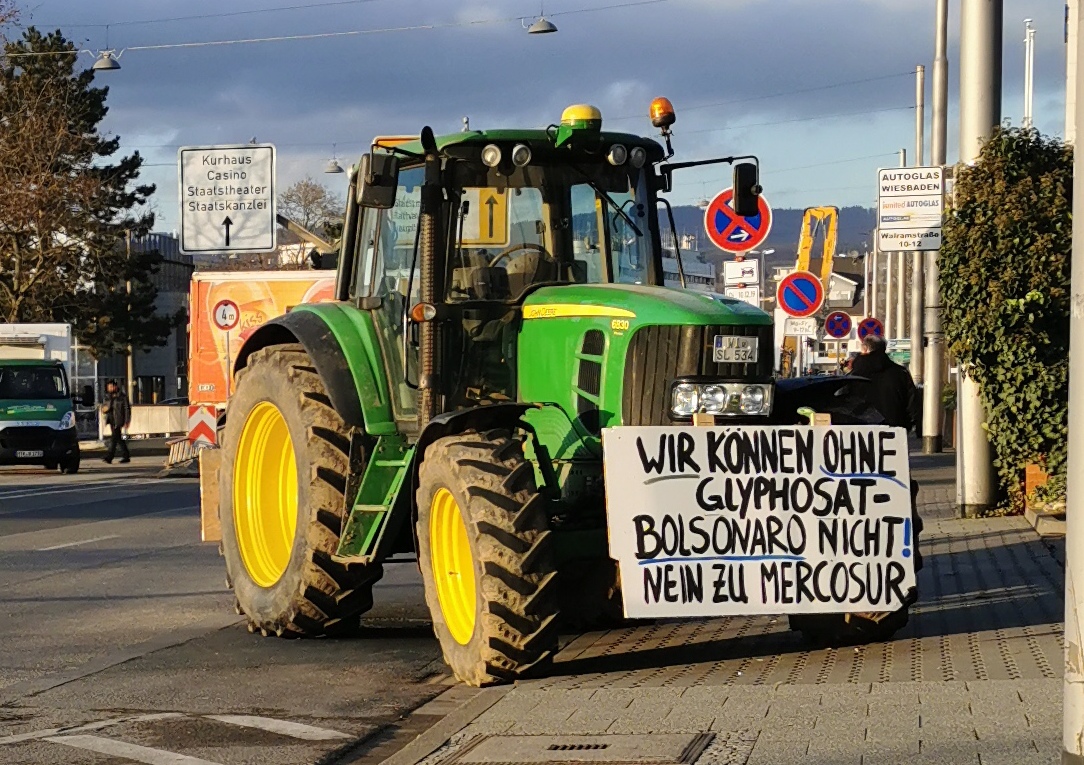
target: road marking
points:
(81, 542)
(286, 728)
(22, 492)
(128, 751)
(46, 733)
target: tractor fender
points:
(355, 393)
(476, 418)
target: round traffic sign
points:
(837, 325)
(800, 294)
(870, 326)
(226, 315)
(731, 232)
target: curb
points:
(1047, 520)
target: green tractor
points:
(499, 303)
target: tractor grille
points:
(658, 355)
(28, 438)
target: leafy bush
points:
(1005, 291)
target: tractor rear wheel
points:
(282, 481)
(485, 552)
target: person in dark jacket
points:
(890, 389)
(118, 413)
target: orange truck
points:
(225, 308)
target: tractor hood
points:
(640, 305)
(607, 354)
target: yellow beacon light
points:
(662, 114)
(579, 118)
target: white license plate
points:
(731, 349)
(29, 455)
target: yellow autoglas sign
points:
(574, 311)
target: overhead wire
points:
(779, 94)
(798, 119)
(202, 16)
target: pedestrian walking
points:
(888, 387)
(118, 414)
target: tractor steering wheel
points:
(525, 246)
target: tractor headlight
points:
(685, 399)
(491, 155)
(638, 156)
(618, 154)
(752, 399)
(713, 399)
(521, 155)
(67, 421)
(725, 399)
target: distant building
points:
(699, 276)
(160, 373)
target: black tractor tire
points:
(70, 466)
(838, 630)
(314, 595)
(514, 629)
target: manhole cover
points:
(614, 749)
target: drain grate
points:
(608, 749)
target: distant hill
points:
(855, 225)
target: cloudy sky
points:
(822, 92)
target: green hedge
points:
(1005, 295)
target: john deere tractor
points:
(500, 302)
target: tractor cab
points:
(511, 212)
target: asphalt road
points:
(119, 642)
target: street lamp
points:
(106, 61)
(333, 166)
(541, 27)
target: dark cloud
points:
(307, 95)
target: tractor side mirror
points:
(746, 189)
(378, 179)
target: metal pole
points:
(128, 291)
(1073, 677)
(865, 286)
(932, 418)
(1029, 73)
(1072, 10)
(1072, 725)
(901, 295)
(981, 24)
(899, 322)
(875, 286)
(890, 312)
(917, 280)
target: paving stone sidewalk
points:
(974, 678)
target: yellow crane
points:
(825, 221)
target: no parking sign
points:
(731, 232)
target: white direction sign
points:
(750, 295)
(227, 198)
(741, 272)
(718, 521)
(794, 327)
(910, 203)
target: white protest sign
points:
(759, 520)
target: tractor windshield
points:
(555, 224)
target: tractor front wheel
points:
(282, 481)
(486, 557)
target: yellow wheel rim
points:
(453, 566)
(265, 494)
